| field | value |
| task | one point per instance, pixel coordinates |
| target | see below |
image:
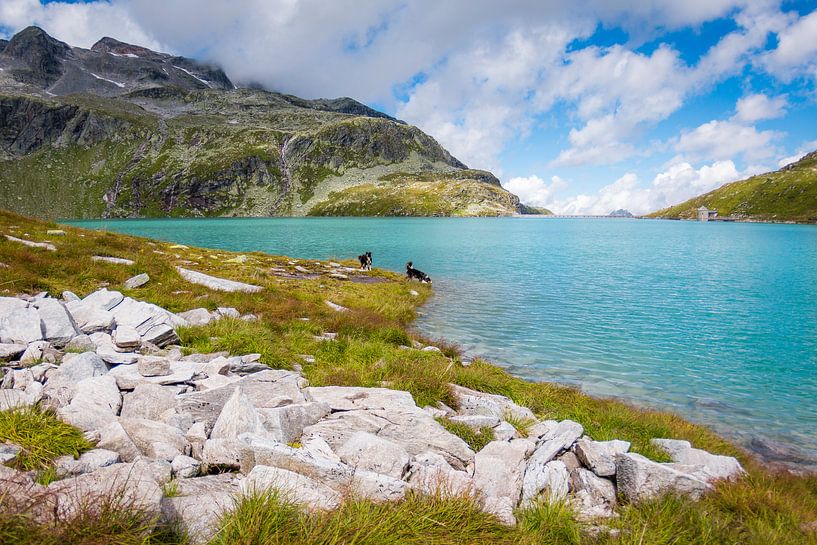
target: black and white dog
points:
(365, 261)
(416, 274)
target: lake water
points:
(716, 321)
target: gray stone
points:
(505, 432)
(293, 486)
(185, 467)
(348, 398)
(104, 299)
(114, 437)
(68, 296)
(197, 316)
(57, 324)
(126, 338)
(556, 437)
(238, 416)
(430, 474)
(225, 453)
(267, 389)
(153, 366)
(593, 496)
(9, 351)
(551, 480)
(196, 435)
(638, 478)
(95, 403)
(600, 456)
(112, 260)
(38, 351)
(18, 379)
(31, 244)
(200, 504)
(479, 403)
(90, 317)
(137, 281)
(376, 487)
(82, 366)
(368, 452)
(8, 452)
(215, 283)
(9, 304)
(155, 439)
(161, 335)
(10, 399)
(128, 376)
(499, 469)
(80, 343)
(110, 354)
(317, 463)
(476, 421)
(147, 401)
(228, 312)
(88, 462)
(21, 326)
(336, 307)
(287, 423)
(128, 486)
(712, 467)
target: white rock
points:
(215, 283)
(228, 312)
(9, 304)
(31, 244)
(365, 451)
(95, 404)
(113, 260)
(505, 432)
(10, 399)
(82, 366)
(185, 467)
(127, 486)
(111, 355)
(594, 497)
(68, 296)
(114, 437)
(137, 281)
(35, 352)
(238, 416)
(126, 338)
(8, 452)
(153, 366)
(499, 469)
(639, 478)
(89, 461)
(287, 423)
(476, 421)
(9, 351)
(293, 486)
(376, 487)
(713, 467)
(21, 326)
(430, 474)
(223, 453)
(347, 398)
(161, 335)
(155, 439)
(200, 504)
(600, 456)
(551, 480)
(90, 317)
(197, 316)
(147, 401)
(104, 299)
(196, 435)
(479, 403)
(57, 324)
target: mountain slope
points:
(788, 194)
(121, 131)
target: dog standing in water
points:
(365, 261)
(416, 274)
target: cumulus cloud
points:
(533, 190)
(796, 48)
(802, 150)
(758, 107)
(721, 140)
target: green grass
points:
(789, 194)
(371, 350)
(476, 439)
(42, 436)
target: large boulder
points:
(499, 469)
(593, 496)
(197, 316)
(148, 401)
(82, 366)
(104, 299)
(21, 326)
(123, 485)
(89, 317)
(430, 474)
(639, 478)
(479, 403)
(114, 437)
(88, 462)
(95, 404)
(348, 398)
(126, 338)
(292, 486)
(550, 480)
(712, 467)
(364, 451)
(58, 325)
(155, 439)
(199, 505)
(9, 351)
(287, 423)
(600, 456)
(238, 416)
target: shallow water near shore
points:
(715, 321)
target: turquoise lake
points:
(715, 321)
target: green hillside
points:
(788, 194)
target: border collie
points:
(416, 274)
(365, 261)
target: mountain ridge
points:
(788, 194)
(119, 130)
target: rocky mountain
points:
(119, 130)
(620, 213)
(788, 194)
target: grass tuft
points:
(476, 439)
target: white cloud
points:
(796, 48)
(758, 107)
(804, 149)
(533, 190)
(721, 140)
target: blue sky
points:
(609, 104)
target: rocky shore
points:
(184, 434)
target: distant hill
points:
(788, 194)
(620, 213)
(119, 130)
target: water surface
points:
(715, 321)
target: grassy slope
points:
(764, 508)
(789, 194)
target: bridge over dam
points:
(587, 216)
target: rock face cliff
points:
(119, 130)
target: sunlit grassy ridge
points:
(789, 194)
(371, 350)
